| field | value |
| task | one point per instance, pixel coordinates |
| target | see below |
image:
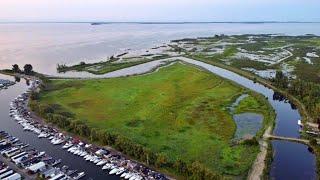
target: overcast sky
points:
(159, 10)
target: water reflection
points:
(279, 97)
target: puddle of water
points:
(248, 124)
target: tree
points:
(15, 68)
(313, 142)
(281, 80)
(17, 79)
(34, 95)
(28, 69)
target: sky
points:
(159, 10)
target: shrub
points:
(251, 142)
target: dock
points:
(12, 166)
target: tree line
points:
(54, 114)
(27, 69)
(307, 92)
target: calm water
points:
(301, 167)
(247, 124)
(45, 45)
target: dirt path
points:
(258, 166)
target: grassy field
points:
(180, 111)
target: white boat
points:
(84, 153)
(76, 152)
(133, 177)
(93, 158)
(123, 175)
(73, 150)
(105, 167)
(138, 177)
(113, 171)
(58, 141)
(42, 135)
(67, 145)
(121, 170)
(53, 140)
(41, 154)
(79, 153)
(300, 123)
(104, 161)
(96, 161)
(80, 175)
(88, 157)
(36, 130)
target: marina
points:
(30, 162)
(4, 84)
(112, 163)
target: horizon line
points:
(156, 22)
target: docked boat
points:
(43, 135)
(96, 160)
(121, 170)
(58, 141)
(134, 177)
(67, 145)
(114, 171)
(79, 176)
(84, 153)
(104, 161)
(123, 175)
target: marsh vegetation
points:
(178, 117)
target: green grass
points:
(180, 111)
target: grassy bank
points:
(179, 111)
(99, 68)
(104, 67)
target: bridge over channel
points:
(305, 141)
